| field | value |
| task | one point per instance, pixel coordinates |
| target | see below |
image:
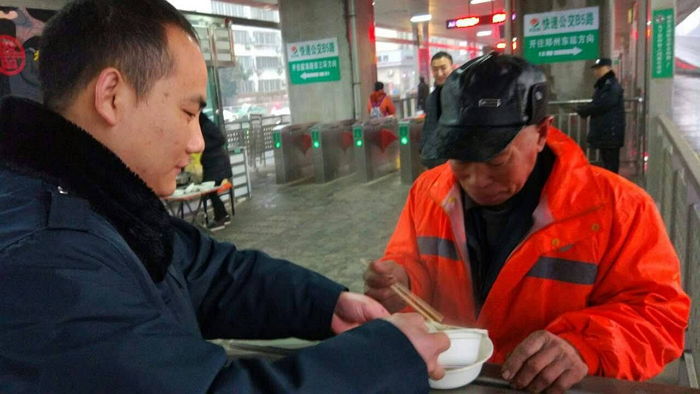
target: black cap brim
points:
(480, 144)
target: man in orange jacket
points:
(567, 265)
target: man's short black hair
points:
(440, 55)
(87, 36)
(378, 86)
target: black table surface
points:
(489, 380)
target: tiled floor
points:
(325, 227)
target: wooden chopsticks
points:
(415, 302)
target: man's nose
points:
(478, 178)
(196, 142)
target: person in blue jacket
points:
(102, 291)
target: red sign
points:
(12, 56)
(469, 21)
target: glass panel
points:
(257, 84)
(264, 13)
(397, 68)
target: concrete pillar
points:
(607, 28)
(508, 27)
(422, 38)
(350, 21)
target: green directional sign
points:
(313, 61)
(561, 36)
(662, 30)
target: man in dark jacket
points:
(216, 166)
(422, 94)
(606, 131)
(102, 291)
(441, 67)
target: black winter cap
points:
(603, 61)
(485, 103)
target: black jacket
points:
(428, 140)
(607, 112)
(102, 291)
(422, 95)
(216, 164)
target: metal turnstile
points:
(333, 154)
(376, 148)
(292, 147)
(410, 131)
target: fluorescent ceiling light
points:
(483, 33)
(480, 1)
(421, 18)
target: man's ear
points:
(110, 88)
(543, 131)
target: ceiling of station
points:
(395, 14)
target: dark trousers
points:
(610, 158)
(217, 204)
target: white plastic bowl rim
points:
(458, 377)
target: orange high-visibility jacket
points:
(597, 268)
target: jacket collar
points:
(571, 171)
(609, 75)
(37, 142)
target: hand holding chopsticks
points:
(376, 282)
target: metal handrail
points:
(585, 101)
(689, 158)
(673, 180)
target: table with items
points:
(180, 202)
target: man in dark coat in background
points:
(422, 94)
(441, 67)
(102, 291)
(607, 111)
(216, 166)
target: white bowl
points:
(457, 377)
(207, 184)
(463, 350)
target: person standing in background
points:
(606, 131)
(422, 94)
(216, 166)
(441, 67)
(379, 104)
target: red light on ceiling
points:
(499, 17)
(470, 21)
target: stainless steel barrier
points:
(406, 107)
(673, 180)
(410, 131)
(255, 135)
(332, 154)
(376, 149)
(292, 152)
(632, 154)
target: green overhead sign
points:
(561, 36)
(662, 30)
(313, 61)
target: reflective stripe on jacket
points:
(597, 268)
